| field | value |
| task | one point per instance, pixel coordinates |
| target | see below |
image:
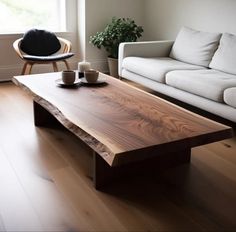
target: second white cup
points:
(91, 75)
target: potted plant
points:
(117, 31)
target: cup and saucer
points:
(92, 77)
(68, 79)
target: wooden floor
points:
(45, 183)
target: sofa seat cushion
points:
(195, 47)
(225, 56)
(205, 83)
(155, 68)
(230, 97)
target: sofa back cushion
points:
(195, 47)
(224, 58)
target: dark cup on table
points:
(68, 77)
(91, 75)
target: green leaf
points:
(117, 31)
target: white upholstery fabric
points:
(144, 49)
(195, 47)
(206, 83)
(209, 89)
(224, 58)
(155, 68)
(217, 108)
(230, 97)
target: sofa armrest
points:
(144, 49)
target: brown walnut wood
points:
(103, 173)
(121, 123)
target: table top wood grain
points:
(116, 119)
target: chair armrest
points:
(67, 46)
(144, 49)
(16, 46)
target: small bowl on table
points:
(91, 75)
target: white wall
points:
(164, 18)
(84, 18)
(161, 19)
(11, 64)
(97, 14)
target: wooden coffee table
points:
(127, 128)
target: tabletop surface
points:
(117, 118)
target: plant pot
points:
(113, 66)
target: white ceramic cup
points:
(91, 75)
(68, 77)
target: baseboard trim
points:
(7, 72)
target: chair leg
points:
(55, 68)
(30, 68)
(23, 72)
(25, 67)
(67, 64)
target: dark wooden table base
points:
(105, 174)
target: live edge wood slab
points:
(127, 128)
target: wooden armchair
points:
(42, 47)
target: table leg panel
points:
(104, 174)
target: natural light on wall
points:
(21, 15)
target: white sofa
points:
(198, 68)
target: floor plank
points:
(45, 181)
(16, 210)
(2, 227)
